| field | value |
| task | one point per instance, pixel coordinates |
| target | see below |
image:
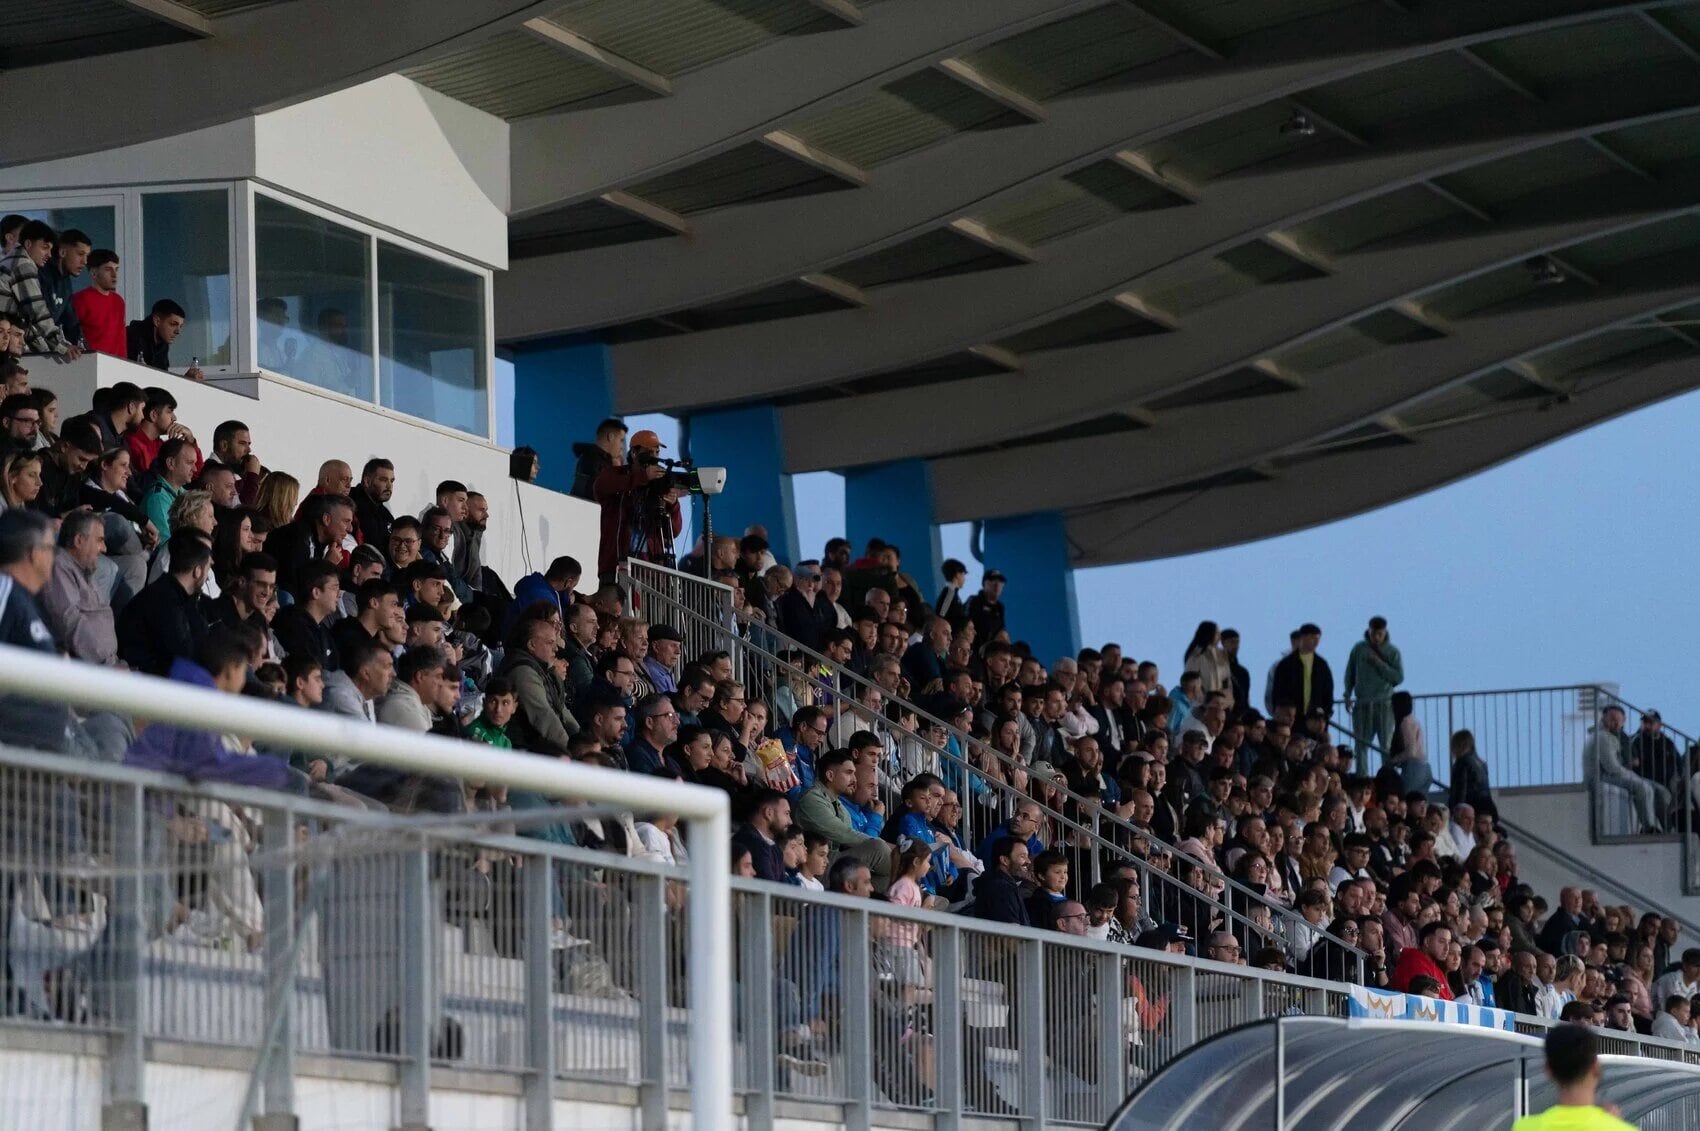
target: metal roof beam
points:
(1498, 74)
(1669, 34)
(1171, 29)
(646, 210)
(576, 45)
(170, 12)
(1622, 162)
(838, 288)
(1006, 96)
(794, 146)
(845, 10)
(1458, 201)
(1332, 125)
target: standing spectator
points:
(147, 341)
(640, 508)
(1469, 776)
(70, 256)
(100, 308)
(79, 614)
(1603, 764)
(26, 566)
(22, 268)
(802, 613)
(467, 558)
(985, 608)
(371, 496)
(1373, 670)
(608, 450)
(1408, 753)
(1205, 656)
(1304, 678)
(949, 604)
(164, 622)
(1237, 673)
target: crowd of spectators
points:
(1235, 834)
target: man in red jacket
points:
(640, 518)
(1424, 958)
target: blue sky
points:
(1573, 564)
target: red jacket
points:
(1414, 960)
(143, 451)
(620, 492)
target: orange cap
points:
(647, 440)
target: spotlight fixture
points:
(1299, 125)
(1544, 272)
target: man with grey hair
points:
(78, 612)
(26, 564)
(1604, 763)
(801, 612)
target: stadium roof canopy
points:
(1327, 1074)
(1276, 261)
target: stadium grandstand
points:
(388, 738)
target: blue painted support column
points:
(1032, 551)
(561, 393)
(747, 443)
(894, 502)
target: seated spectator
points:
(1425, 958)
(173, 469)
(543, 723)
(1672, 1022)
(316, 535)
(304, 628)
(821, 810)
(26, 568)
(192, 512)
(769, 817)
(20, 480)
(233, 448)
(278, 498)
(368, 669)
(147, 341)
(20, 421)
(34, 312)
(997, 895)
(164, 622)
(64, 466)
(79, 614)
(437, 531)
(655, 727)
(1684, 980)
(117, 410)
(1603, 763)
(220, 662)
(491, 726)
(1050, 871)
(158, 424)
(100, 308)
(371, 497)
(378, 618)
(466, 558)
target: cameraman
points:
(640, 508)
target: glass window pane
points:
(98, 222)
(186, 257)
(314, 299)
(432, 352)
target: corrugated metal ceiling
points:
(515, 75)
(676, 36)
(910, 114)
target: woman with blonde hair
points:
(278, 496)
(20, 479)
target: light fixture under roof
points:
(1544, 271)
(1299, 125)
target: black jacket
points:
(806, 624)
(299, 634)
(143, 346)
(294, 546)
(160, 624)
(769, 859)
(987, 617)
(33, 724)
(60, 491)
(997, 899)
(1290, 683)
(591, 462)
(373, 518)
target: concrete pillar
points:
(1032, 551)
(747, 442)
(894, 502)
(561, 393)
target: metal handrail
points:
(1278, 912)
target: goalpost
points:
(709, 1029)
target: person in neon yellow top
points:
(1573, 1062)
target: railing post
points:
(650, 924)
(1030, 974)
(857, 976)
(755, 984)
(278, 1048)
(1112, 1041)
(1183, 1009)
(126, 1107)
(539, 995)
(418, 989)
(947, 1027)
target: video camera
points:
(686, 476)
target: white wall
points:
(388, 152)
(1559, 815)
(295, 430)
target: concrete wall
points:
(1646, 870)
(295, 430)
(388, 151)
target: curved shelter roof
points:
(1275, 261)
(1328, 1074)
